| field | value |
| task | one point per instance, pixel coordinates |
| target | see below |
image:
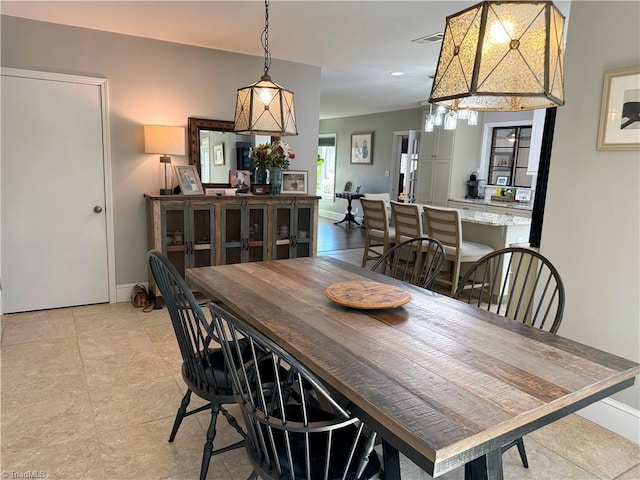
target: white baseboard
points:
(330, 214)
(123, 292)
(615, 416)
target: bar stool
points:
(444, 225)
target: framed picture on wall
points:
(620, 110)
(218, 154)
(189, 180)
(362, 148)
(294, 181)
(502, 180)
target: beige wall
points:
(155, 82)
(592, 221)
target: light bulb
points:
(266, 95)
(429, 122)
(450, 120)
(501, 32)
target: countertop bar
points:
(494, 203)
(493, 219)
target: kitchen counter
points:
(493, 219)
(494, 203)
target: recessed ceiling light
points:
(396, 74)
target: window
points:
(509, 156)
(326, 175)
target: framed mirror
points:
(215, 149)
(212, 146)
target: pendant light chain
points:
(264, 38)
(264, 107)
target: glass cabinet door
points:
(244, 233)
(304, 230)
(255, 233)
(174, 226)
(201, 243)
(283, 229)
(232, 240)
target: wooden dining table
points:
(442, 382)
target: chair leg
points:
(208, 446)
(365, 254)
(456, 277)
(180, 415)
(523, 454)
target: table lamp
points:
(164, 140)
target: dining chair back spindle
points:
(520, 284)
(379, 237)
(417, 261)
(295, 428)
(444, 225)
(204, 369)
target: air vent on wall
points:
(433, 38)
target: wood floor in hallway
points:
(338, 237)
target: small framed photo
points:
(503, 181)
(294, 182)
(240, 180)
(620, 110)
(523, 195)
(218, 154)
(189, 180)
(260, 189)
(362, 148)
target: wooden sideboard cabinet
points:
(198, 230)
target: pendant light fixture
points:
(264, 107)
(502, 56)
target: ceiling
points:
(357, 43)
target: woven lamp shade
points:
(502, 56)
(265, 108)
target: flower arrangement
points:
(272, 155)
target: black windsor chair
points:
(203, 369)
(295, 428)
(417, 261)
(520, 284)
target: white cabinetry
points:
(537, 129)
(516, 212)
(433, 182)
(447, 158)
(467, 206)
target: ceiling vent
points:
(433, 38)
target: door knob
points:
(97, 209)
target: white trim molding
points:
(615, 416)
(124, 291)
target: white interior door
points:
(411, 171)
(54, 246)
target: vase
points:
(275, 181)
(262, 177)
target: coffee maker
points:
(472, 186)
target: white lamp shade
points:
(502, 56)
(164, 140)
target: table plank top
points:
(440, 380)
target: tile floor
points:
(91, 392)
